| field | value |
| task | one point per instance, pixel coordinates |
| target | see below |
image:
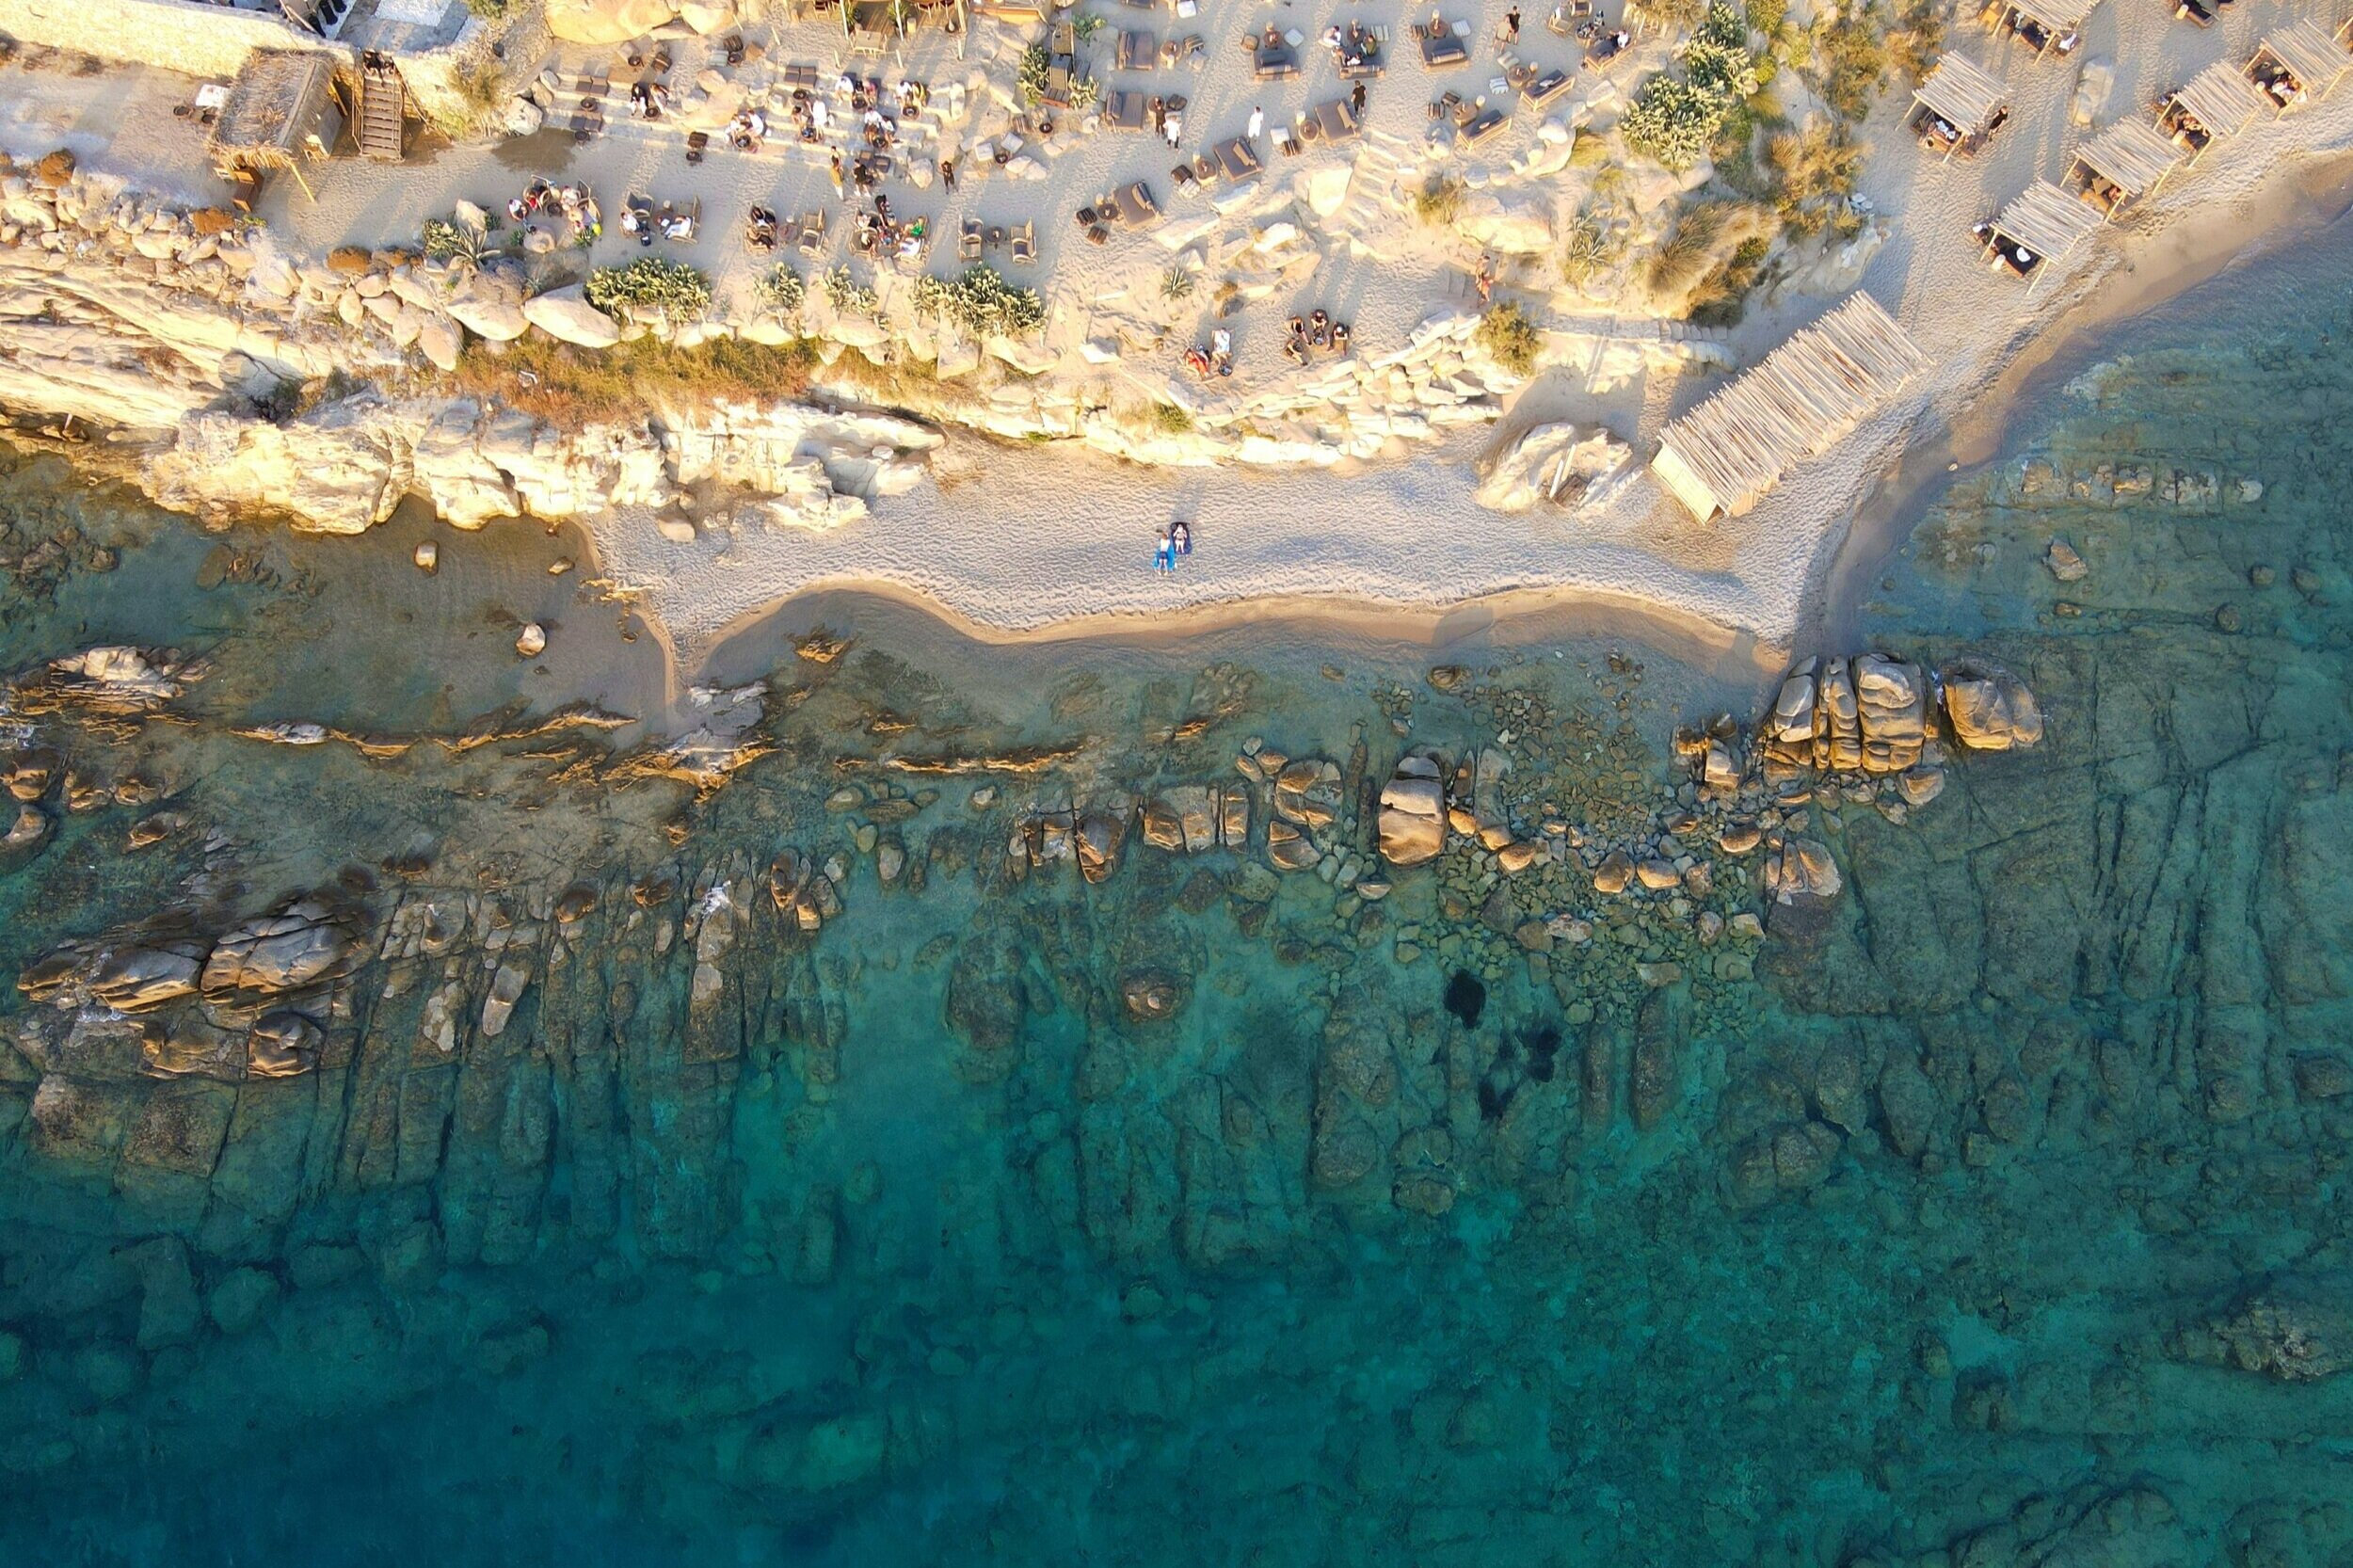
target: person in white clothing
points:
(1257, 122)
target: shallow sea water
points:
(1993, 1214)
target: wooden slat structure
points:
(277, 113)
(2307, 51)
(2122, 164)
(1798, 402)
(383, 104)
(2044, 221)
(2052, 19)
(2218, 101)
(1963, 96)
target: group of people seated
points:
(2280, 86)
(881, 234)
(748, 131)
(647, 100)
(759, 230)
(642, 222)
(574, 203)
(1217, 358)
(1356, 46)
(1315, 331)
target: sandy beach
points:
(1316, 489)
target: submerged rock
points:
(1989, 709)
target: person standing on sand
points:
(1257, 122)
(836, 173)
(948, 173)
(1357, 96)
(1511, 25)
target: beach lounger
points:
(1235, 159)
(803, 77)
(968, 244)
(1062, 42)
(1277, 64)
(1126, 110)
(1486, 125)
(1355, 68)
(812, 238)
(1138, 50)
(1335, 120)
(1025, 245)
(1136, 206)
(1442, 50)
(1547, 89)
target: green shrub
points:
(1509, 338)
(444, 241)
(1085, 26)
(1672, 121)
(649, 287)
(1177, 283)
(1814, 171)
(1590, 249)
(849, 296)
(1724, 26)
(780, 291)
(982, 303)
(491, 10)
(1172, 419)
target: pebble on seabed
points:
(428, 558)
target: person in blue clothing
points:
(1164, 554)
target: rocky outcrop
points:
(1989, 709)
(566, 315)
(1560, 465)
(1413, 811)
(1871, 714)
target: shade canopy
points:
(2047, 220)
(1965, 96)
(2221, 98)
(1798, 402)
(277, 102)
(2130, 154)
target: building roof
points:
(2047, 220)
(1797, 403)
(2131, 153)
(2306, 48)
(1963, 94)
(275, 103)
(2221, 97)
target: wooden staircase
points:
(383, 99)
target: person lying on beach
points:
(1182, 534)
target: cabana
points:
(2040, 24)
(1958, 108)
(2218, 101)
(2120, 166)
(1804, 398)
(280, 111)
(2295, 65)
(2045, 224)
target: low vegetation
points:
(570, 387)
(1510, 337)
(1439, 202)
(1682, 256)
(461, 243)
(849, 296)
(1675, 120)
(650, 288)
(982, 303)
(1172, 419)
(1591, 247)
(780, 291)
(1814, 171)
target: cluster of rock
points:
(2196, 489)
(344, 467)
(248, 1003)
(1568, 466)
(1304, 811)
(1872, 715)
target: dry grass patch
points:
(569, 386)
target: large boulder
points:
(566, 315)
(1308, 793)
(1557, 465)
(493, 319)
(1413, 812)
(600, 22)
(1991, 708)
(136, 979)
(301, 945)
(1892, 705)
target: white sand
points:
(1016, 539)
(1027, 540)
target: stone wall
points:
(202, 40)
(516, 47)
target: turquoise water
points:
(1992, 1213)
